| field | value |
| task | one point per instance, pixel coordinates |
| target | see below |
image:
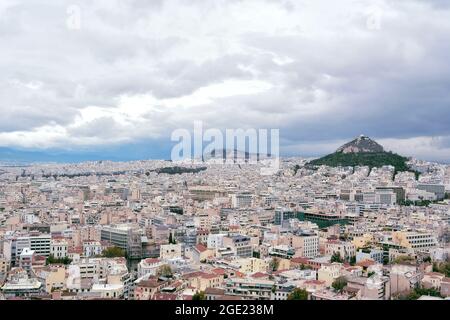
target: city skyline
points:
(241, 153)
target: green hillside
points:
(370, 159)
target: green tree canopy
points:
(298, 294)
(336, 257)
(274, 264)
(443, 267)
(164, 271)
(418, 292)
(339, 284)
(113, 252)
(52, 260)
(402, 259)
(199, 296)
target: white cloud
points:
(318, 70)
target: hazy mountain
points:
(222, 154)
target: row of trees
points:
(52, 260)
(113, 252)
(420, 291)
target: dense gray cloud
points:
(83, 74)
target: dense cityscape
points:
(147, 230)
(224, 158)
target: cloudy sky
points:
(90, 76)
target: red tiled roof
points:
(152, 260)
(259, 275)
(201, 248)
(314, 282)
(219, 271)
(215, 291)
(366, 263)
(209, 275)
(300, 260)
(164, 296)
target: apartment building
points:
(92, 248)
(418, 241)
(252, 265)
(346, 250)
(370, 254)
(59, 248)
(242, 200)
(170, 251)
(239, 244)
(250, 288)
(39, 243)
(305, 245)
(329, 272)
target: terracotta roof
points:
(314, 282)
(149, 284)
(152, 260)
(299, 260)
(164, 296)
(214, 291)
(209, 275)
(201, 248)
(228, 297)
(259, 275)
(219, 271)
(366, 263)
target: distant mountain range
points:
(129, 152)
(362, 151)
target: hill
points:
(362, 152)
(370, 159)
(362, 144)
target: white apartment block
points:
(59, 248)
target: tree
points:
(199, 296)
(164, 271)
(336, 257)
(113, 252)
(170, 238)
(402, 259)
(339, 284)
(420, 291)
(353, 260)
(443, 267)
(52, 260)
(298, 294)
(274, 264)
